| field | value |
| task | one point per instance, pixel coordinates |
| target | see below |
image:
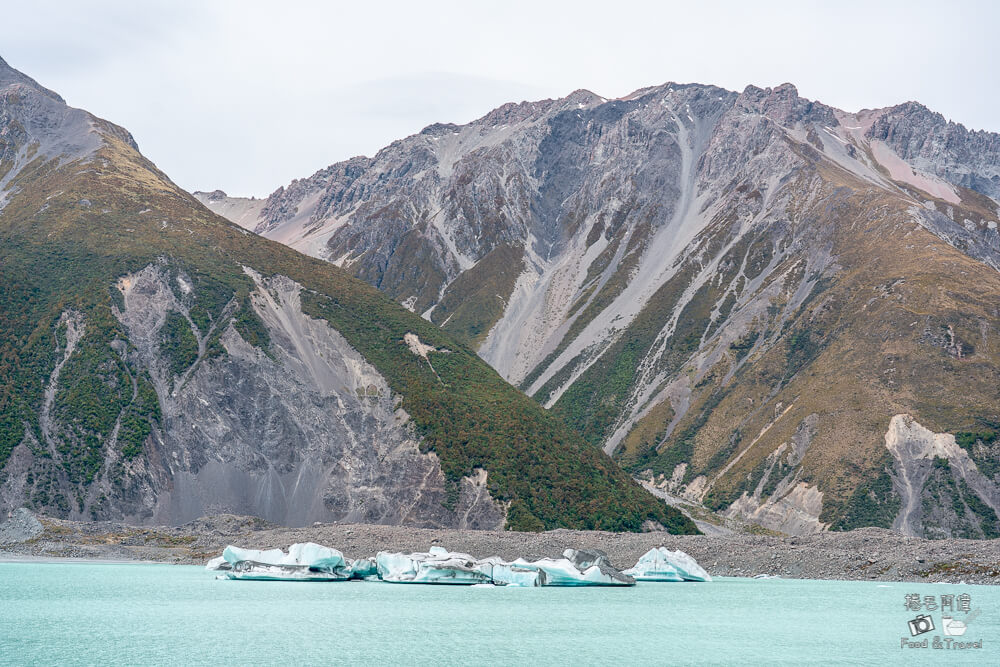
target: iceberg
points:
(661, 564)
(578, 567)
(562, 572)
(440, 566)
(436, 566)
(516, 576)
(364, 568)
(303, 562)
(218, 563)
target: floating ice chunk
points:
(363, 568)
(586, 558)
(234, 555)
(252, 571)
(508, 574)
(578, 568)
(562, 572)
(437, 566)
(218, 563)
(306, 553)
(303, 562)
(661, 564)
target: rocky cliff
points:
(160, 363)
(733, 293)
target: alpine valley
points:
(159, 363)
(783, 311)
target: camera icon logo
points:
(921, 624)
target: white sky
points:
(246, 95)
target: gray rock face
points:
(927, 464)
(685, 228)
(149, 381)
(941, 147)
(305, 431)
(309, 433)
(10, 76)
(36, 124)
(20, 527)
(584, 189)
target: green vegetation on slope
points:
(475, 300)
(873, 503)
(983, 447)
(473, 419)
(177, 343)
(951, 508)
(595, 401)
(64, 255)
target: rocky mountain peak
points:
(784, 105)
(10, 76)
(515, 112)
(678, 272)
(214, 195)
(583, 96)
(934, 145)
(160, 364)
(438, 129)
(909, 114)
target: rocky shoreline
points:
(865, 554)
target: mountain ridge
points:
(668, 271)
(161, 363)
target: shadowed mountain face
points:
(159, 363)
(750, 299)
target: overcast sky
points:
(245, 96)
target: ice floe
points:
(218, 563)
(436, 566)
(303, 562)
(577, 567)
(364, 568)
(439, 566)
(661, 564)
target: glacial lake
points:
(75, 613)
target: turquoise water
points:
(139, 614)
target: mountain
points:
(160, 363)
(752, 300)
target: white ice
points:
(306, 553)
(562, 572)
(509, 574)
(362, 568)
(437, 566)
(661, 564)
(218, 563)
(304, 561)
(313, 562)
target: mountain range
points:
(781, 310)
(160, 363)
